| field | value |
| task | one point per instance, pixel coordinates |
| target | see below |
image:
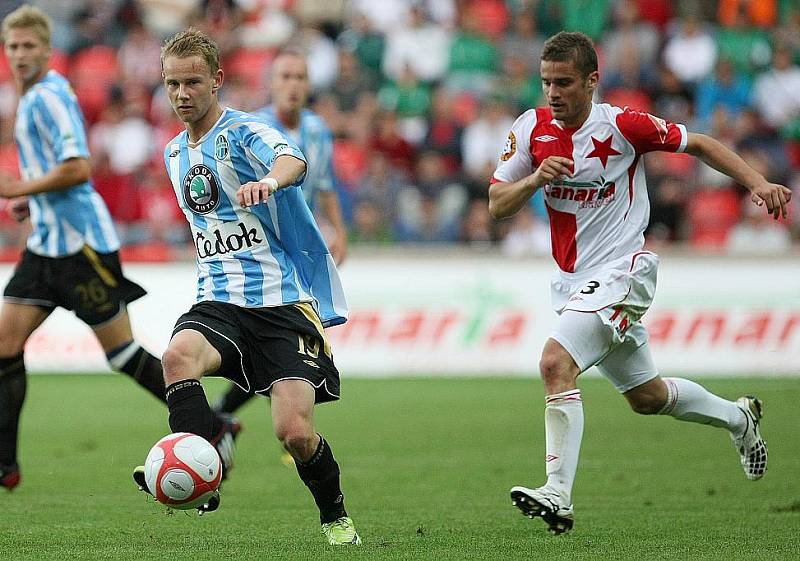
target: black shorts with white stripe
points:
(261, 346)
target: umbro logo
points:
(550, 458)
(546, 138)
(174, 153)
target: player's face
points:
(289, 86)
(568, 93)
(27, 55)
(191, 87)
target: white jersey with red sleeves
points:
(600, 213)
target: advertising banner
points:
(482, 315)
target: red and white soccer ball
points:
(183, 470)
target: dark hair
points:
(566, 46)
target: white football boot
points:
(750, 445)
(545, 503)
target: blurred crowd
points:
(420, 96)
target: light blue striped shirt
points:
(316, 141)
(49, 129)
(270, 254)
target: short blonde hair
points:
(28, 17)
(192, 42)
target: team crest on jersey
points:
(510, 148)
(200, 189)
(221, 148)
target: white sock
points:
(691, 402)
(563, 425)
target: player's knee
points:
(295, 437)
(177, 364)
(553, 369)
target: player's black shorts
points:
(89, 283)
(261, 346)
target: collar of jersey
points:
(208, 132)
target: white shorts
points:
(600, 318)
(587, 338)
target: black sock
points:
(217, 427)
(188, 408)
(321, 476)
(13, 383)
(140, 365)
(234, 398)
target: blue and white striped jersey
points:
(49, 130)
(316, 141)
(271, 254)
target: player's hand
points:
(551, 169)
(18, 209)
(338, 247)
(252, 193)
(775, 196)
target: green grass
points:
(427, 464)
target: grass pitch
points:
(427, 464)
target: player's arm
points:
(507, 198)
(67, 174)
(328, 202)
(327, 198)
(725, 160)
(286, 170)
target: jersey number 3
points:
(590, 287)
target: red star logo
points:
(603, 149)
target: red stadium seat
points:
(120, 193)
(59, 61)
(657, 12)
(492, 15)
(466, 108)
(94, 63)
(92, 71)
(250, 65)
(349, 162)
(679, 164)
(5, 69)
(711, 215)
(793, 149)
(92, 98)
(159, 252)
(626, 97)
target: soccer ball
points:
(183, 470)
